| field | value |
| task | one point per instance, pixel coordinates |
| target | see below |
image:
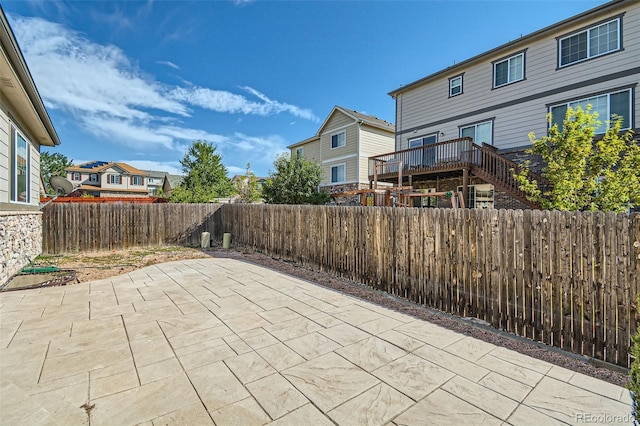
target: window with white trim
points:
(479, 132)
(115, 179)
(338, 173)
(93, 178)
(299, 152)
(589, 43)
(20, 167)
(136, 180)
(455, 86)
(338, 140)
(76, 176)
(607, 105)
(509, 70)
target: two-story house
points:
(108, 179)
(25, 126)
(342, 146)
(458, 129)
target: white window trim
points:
(331, 173)
(114, 176)
(14, 172)
(604, 120)
(336, 134)
(466, 126)
(508, 60)
(300, 151)
(587, 30)
(451, 86)
(73, 176)
(133, 181)
(92, 176)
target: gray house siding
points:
(521, 107)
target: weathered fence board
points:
(69, 228)
(568, 279)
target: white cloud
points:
(259, 151)
(103, 91)
(169, 64)
(83, 77)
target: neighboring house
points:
(25, 126)
(498, 97)
(108, 179)
(155, 179)
(169, 183)
(342, 146)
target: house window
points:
(136, 180)
(338, 173)
(93, 177)
(455, 86)
(479, 196)
(115, 179)
(589, 43)
(21, 165)
(423, 157)
(480, 132)
(509, 70)
(338, 140)
(299, 152)
(606, 105)
(76, 176)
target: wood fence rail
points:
(69, 228)
(568, 279)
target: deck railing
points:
(448, 155)
(456, 154)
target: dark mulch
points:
(470, 327)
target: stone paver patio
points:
(222, 341)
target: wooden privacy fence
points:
(568, 279)
(96, 227)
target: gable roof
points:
(17, 85)
(554, 28)
(356, 116)
(101, 166)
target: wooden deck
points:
(456, 157)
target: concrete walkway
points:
(219, 340)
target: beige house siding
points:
(6, 147)
(4, 154)
(373, 141)
(364, 136)
(351, 146)
(310, 150)
(351, 170)
(521, 107)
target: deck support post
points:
(465, 185)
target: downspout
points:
(359, 122)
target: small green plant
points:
(634, 375)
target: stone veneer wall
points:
(353, 200)
(20, 241)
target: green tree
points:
(205, 177)
(52, 164)
(294, 181)
(584, 174)
(247, 186)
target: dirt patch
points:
(99, 265)
(94, 266)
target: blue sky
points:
(138, 81)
